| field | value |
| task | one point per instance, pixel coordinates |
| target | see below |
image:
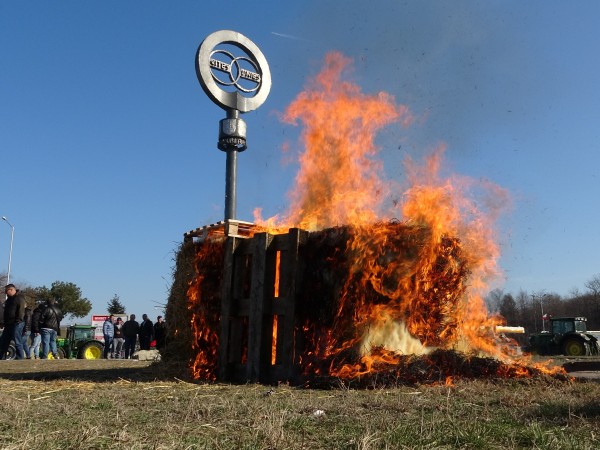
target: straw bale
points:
(334, 288)
(179, 332)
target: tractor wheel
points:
(575, 347)
(61, 353)
(11, 352)
(91, 350)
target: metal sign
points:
(234, 81)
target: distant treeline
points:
(527, 309)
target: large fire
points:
(428, 296)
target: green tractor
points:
(80, 343)
(568, 336)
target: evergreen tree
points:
(67, 296)
(115, 306)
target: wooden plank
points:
(226, 300)
(242, 272)
(291, 278)
(235, 351)
(260, 244)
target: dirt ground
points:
(100, 370)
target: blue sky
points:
(108, 143)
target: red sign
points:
(98, 321)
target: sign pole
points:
(235, 75)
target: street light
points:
(12, 235)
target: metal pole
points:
(12, 235)
(232, 140)
(542, 306)
(534, 313)
(543, 319)
(541, 297)
(231, 184)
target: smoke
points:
(446, 60)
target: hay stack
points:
(193, 322)
(179, 331)
(335, 286)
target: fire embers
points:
(440, 367)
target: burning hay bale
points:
(378, 306)
(180, 333)
(357, 279)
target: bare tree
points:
(493, 300)
(574, 292)
(593, 287)
(528, 313)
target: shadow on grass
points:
(96, 371)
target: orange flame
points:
(340, 182)
(410, 288)
(205, 310)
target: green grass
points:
(506, 414)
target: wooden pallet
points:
(261, 275)
(229, 227)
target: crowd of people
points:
(35, 329)
(120, 337)
(29, 329)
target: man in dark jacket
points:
(49, 325)
(131, 328)
(2, 312)
(146, 332)
(14, 313)
(160, 332)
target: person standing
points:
(108, 330)
(27, 331)
(2, 311)
(118, 339)
(160, 332)
(49, 324)
(14, 313)
(130, 330)
(146, 332)
(36, 337)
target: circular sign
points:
(231, 80)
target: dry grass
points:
(103, 411)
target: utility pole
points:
(541, 298)
(12, 235)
